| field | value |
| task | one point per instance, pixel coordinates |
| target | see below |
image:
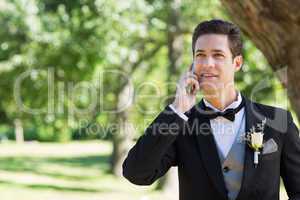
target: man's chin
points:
(209, 86)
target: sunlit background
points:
(81, 79)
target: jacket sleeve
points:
(290, 162)
(155, 151)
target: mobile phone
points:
(191, 87)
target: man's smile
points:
(208, 76)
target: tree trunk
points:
(122, 138)
(19, 133)
(169, 182)
(274, 27)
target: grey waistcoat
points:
(233, 165)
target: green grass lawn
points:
(72, 171)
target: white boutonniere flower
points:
(255, 138)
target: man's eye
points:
(200, 55)
(218, 55)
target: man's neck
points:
(221, 99)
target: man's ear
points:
(238, 62)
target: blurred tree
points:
(128, 55)
(13, 34)
(47, 51)
(273, 26)
(174, 35)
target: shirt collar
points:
(233, 105)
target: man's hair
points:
(217, 26)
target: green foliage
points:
(70, 44)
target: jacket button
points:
(226, 169)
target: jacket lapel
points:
(208, 149)
(253, 117)
(209, 153)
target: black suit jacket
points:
(170, 141)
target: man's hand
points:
(186, 91)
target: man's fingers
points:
(193, 81)
(191, 75)
(189, 82)
(192, 85)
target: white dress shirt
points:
(224, 130)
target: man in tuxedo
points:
(206, 140)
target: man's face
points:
(213, 62)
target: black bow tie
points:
(228, 113)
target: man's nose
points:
(208, 62)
